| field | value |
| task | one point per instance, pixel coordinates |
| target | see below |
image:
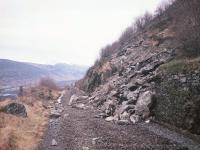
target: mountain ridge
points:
(13, 72)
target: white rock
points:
(124, 116)
(66, 115)
(94, 140)
(79, 106)
(144, 102)
(83, 97)
(73, 99)
(134, 118)
(85, 148)
(147, 121)
(54, 143)
(111, 118)
(55, 114)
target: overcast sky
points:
(67, 31)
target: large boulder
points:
(15, 109)
(73, 99)
(144, 104)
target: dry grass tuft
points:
(17, 133)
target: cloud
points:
(72, 31)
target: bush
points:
(189, 32)
(108, 50)
(129, 32)
(142, 21)
(163, 7)
(49, 83)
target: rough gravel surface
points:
(78, 129)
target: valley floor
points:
(79, 130)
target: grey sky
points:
(70, 31)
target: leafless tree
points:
(49, 83)
(189, 31)
(126, 35)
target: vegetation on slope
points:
(18, 133)
(176, 26)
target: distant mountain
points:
(13, 72)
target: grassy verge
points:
(17, 133)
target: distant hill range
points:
(14, 73)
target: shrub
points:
(108, 50)
(188, 33)
(142, 21)
(49, 83)
(126, 35)
(163, 7)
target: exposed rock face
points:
(128, 84)
(128, 98)
(142, 91)
(178, 100)
(15, 109)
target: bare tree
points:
(189, 31)
(126, 35)
(49, 83)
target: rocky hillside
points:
(13, 72)
(152, 72)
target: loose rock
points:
(15, 109)
(55, 114)
(73, 99)
(54, 143)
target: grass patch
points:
(17, 133)
(181, 66)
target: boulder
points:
(132, 86)
(144, 104)
(114, 93)
(183, 79)
(122, 122)
(83, 97)
(126, 108)
(54, 143)
(124, 116)
(111, 118)
(109, 107)
(73, 99)
(95, 140)
(15, 109)
(132, 98)
(134, 118)
(131, 111)
(54, 114)
(79, 106)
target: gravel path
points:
(78, 130)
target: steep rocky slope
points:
(151, 75)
